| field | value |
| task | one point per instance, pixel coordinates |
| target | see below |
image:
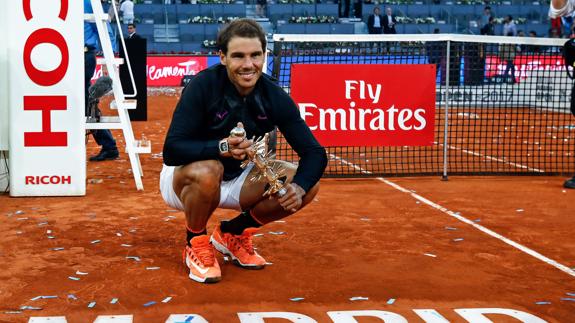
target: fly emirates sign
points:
(366, 105)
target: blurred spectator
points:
(509, 26)
(507, 53)
(375, 21)
(532, 33)
(486, 15)
(389, 22)
(127, 11)
(358, 8)
(261, 8)
(566, 23)
(555, 24)
(343, 7)
(489, 28)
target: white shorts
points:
(229, 190)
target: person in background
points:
(132, 32)
(375, 21)
(343, 8)
(389, 22)
(507, 53)
(127, 10)
(103, 137)
(486, 15)
(489, 28)
(358, 8)
(202, 159)
(509, 26)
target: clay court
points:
(395, 245)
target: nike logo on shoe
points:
(202, 271)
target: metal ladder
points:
(120, 103)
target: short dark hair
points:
(244, 27)
(131, 25)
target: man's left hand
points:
(293, 199)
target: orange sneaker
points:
(239, 247)
(201, 260)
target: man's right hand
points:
(238, 147)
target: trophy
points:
(264, 162)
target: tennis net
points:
(502, 104)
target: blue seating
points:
(193, 47)
(326, 9)
(212, 10)
(413, 28)
(234, 10)
(303, 10)
(317, 28)
(187, 11)
(279, 11)
(164, 47)
(342, 28)
(211, 31)
(417, 11)
(291, 29)
(192, 32)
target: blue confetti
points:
(391, 301)
(92, 304)
(73, 278)
(542, 303)
(570, 294)
(114, 301)
(568, 299)
(296, 299)
(149, 304)
(72, 296)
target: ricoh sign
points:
(46, 97)
(366, 105)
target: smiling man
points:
(202, 161)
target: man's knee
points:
(311, 194)
(207, 174)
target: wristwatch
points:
(223, 146)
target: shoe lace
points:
(205, 254)
(246, 242)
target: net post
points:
(446, 120)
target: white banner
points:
(46, 70)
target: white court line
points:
(492, 158)
(481, 228)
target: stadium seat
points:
(234, 10)
(317, 28)
(279, 11)
(193, 47)
(165, 47)
(211, 31)
(303, 10)
(186, 12)
(291, 29)
(342, 28)
(326, 9)
(414, 28)
(418, 11)
(212, 10)
(192, 32)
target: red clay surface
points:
(361, 237)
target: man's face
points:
(388, 11)
(244, 62)
(131, 29)
(376, 11)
